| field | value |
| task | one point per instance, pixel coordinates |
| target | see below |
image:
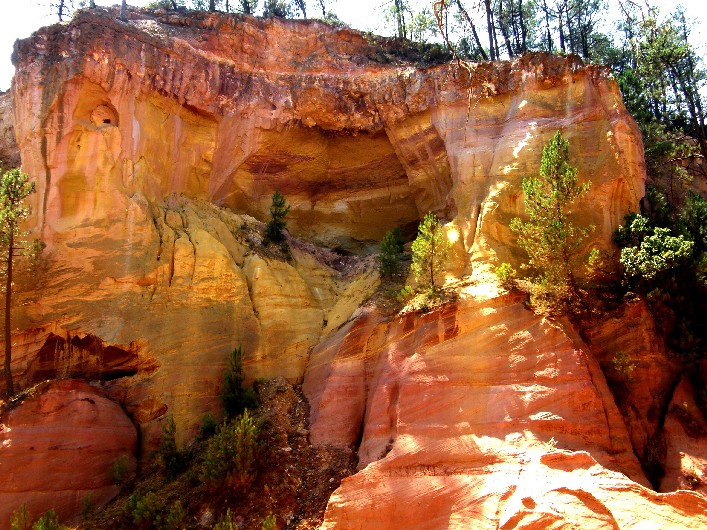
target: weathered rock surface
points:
(163, 296)
(685, 434)
(9, 152)
(478, 415)
(131, 128)
(475, 415)
(232, 108)
(633, 354)
(58, 446)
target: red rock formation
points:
(127, 127)
(685, 435)
(58, 446)
(481, 415)
(633, 354)
(156, 106)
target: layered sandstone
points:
(231, 108)
(635, 359)
(156, 145)
(57, 448)
(133, 129)
(478, 415)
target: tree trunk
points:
(10, 390)
(523, 29)
(400, 19)
(489, 24)
(504, 31)
(466, 17)
(689, 95)
(560, 28)
(547, 26)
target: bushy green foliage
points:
(278, 211)
(226, 522)
(170, 458)
(270, 523)
(208, 426)
(390, 251)
(405, 293)
(506, 275)
(234, 397)
(663, 257)
(48, 521)
(87, 506)
(144, 508)
(549, 236)
(232, 451)
(623, 365)
(175, 516)
(119, 470)
(657, 253)
(429, 251)
(692, 222)
(21, 519)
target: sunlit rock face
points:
(479, 415)
(133, 131)
(57, 448)
(230, 109)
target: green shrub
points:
(119, 470)
(232, 451)
(506, 275)
(623, 365)
(429, 251)
(405, 294)
(21, 519)
(550, 238)
(48, 521)
(87, 506)
(390, 252)
(144, 508)
(226, 522)
(656, 254)
(170, 458)
(278, 210)
(234, 397)
(208, 426)
(270, 523)
(175, 516)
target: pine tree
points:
(549, 237)
(390, 252)
(278, 210)
(14, 189)
(429, 251)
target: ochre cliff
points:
(156, 145)
(492, 415)
(133, 130)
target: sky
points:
(21, 17)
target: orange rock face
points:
(633, 354)
(58, 447)
(685, 435)
(133, 130)
(478, 415)
(157, 143)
